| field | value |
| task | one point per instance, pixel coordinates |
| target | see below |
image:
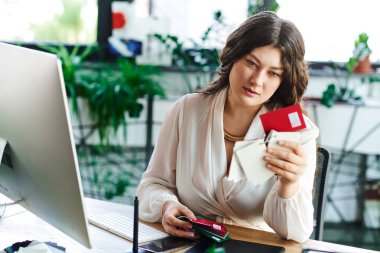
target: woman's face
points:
(255, 77)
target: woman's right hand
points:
(174, 226)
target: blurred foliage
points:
(114, 91)
(202, 55)
(340, 90)
(111, 90)
(259, 5)
(112, 183)
(72, 61)
(65, 27)
(361, 51)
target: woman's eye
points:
(250, 62)
(274, 74)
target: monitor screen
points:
(39, 167)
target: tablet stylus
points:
(136, 225)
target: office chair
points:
(319, 192)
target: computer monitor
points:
(40, 166)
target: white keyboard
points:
(122, 226)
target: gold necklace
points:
(233, 138)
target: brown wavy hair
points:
(261, 29)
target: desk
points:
(22, 225)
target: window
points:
(189, 19)
(330, 28)
(67, 21)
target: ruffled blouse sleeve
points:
(158, 183)
(292, 218)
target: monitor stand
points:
(3, 145)
(5, 158)
(2, 210)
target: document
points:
(247, 158)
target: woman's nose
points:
(257, 78)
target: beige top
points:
(189, 165)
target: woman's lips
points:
(250, 92)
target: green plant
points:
(259, 5)
(332, 94)
(67, 26)
(206, 52)
(111, 182)
(340, 89)
(179, 55)
(112, 93)
(361, 51)
(72, 61)
(203, 56)
(103, 168)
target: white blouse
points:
(189, 165)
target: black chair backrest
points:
(319, 192)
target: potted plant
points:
(112, 92)
(340, 90)
(361, 55)
(72, 61)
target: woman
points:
(262, 69)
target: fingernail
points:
(280, 142)
(270, 150)
(267, 158)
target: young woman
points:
(262, 69)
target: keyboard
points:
(122, 226)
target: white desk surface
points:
(20, 225)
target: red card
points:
(211, 226)
(287, 119)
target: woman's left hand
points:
(288, 163)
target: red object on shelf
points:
(364, 66)
(118, 20)
(372, 190)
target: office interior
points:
(163, 49)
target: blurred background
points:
(126, 62)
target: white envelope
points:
(236, 172)
(247, 157)
(274, 137)
(250, 159)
